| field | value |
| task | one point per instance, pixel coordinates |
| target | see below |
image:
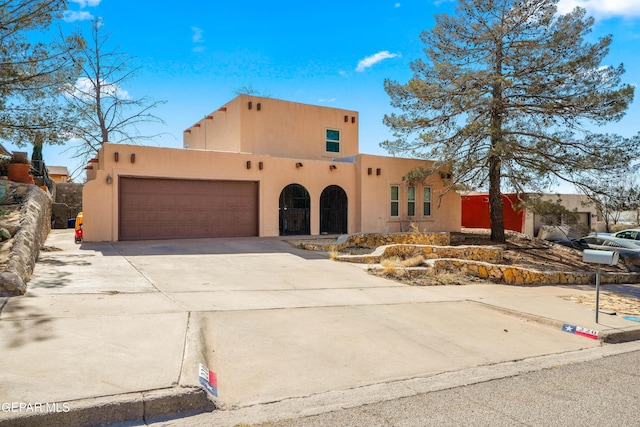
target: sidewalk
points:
(116, 332)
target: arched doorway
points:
(333, 210)
(295, 209)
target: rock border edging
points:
(35, 224)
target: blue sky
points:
(196, 54)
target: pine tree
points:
(505, 97)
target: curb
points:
(616, 336)
(621, 336)
(141, 407)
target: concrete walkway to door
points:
(107, 325)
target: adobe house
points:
(260, 167)
(58, 173)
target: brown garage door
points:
(154, 208)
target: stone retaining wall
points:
(376, 240)
(511, 275)
(67, 203)
(35, 225)
(492, 254)
(482, 262)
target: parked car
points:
(572, 243)
(628, 250)
(631, 234)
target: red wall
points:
(475, 212)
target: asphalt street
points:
(599, 392)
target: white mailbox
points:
(600, 257)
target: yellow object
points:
(79, 221)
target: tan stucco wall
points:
(219, 130)
(367, 195)
(375, 196)
(100, 202)
(279, 128)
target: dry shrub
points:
(446, 279)
(333, 253)
(392, 266)
(416, 234)
(415, 261)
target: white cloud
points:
(197, 38)
(197, 35)
(80, 15)
(76, 15)
(397, 5)
(603, 8)
(85, 88)
(85, 3)
(374, 59)
(326, 101)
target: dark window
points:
(333, 141)
(411, 201)
(395, 197)
(426, 201)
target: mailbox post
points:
(599, 258)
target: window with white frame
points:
(426, 201)
(395, 200)
(411, 201)
(332, 139)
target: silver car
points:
(629, 250)
(631, 234)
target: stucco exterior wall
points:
(367, 195)
(220, 130)
(101, 199)
(274, 127)
(375, 193)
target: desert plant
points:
(18, 157)
(391, 266)
(333, 253)
(417, 236)
(413, 261)
(445, 279)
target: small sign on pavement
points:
(209, 380)
(578, 330)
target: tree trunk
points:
(495, 161)
(495, 201)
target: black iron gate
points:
(294, 206)
(333, 210)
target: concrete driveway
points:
(273, 322)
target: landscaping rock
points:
(11, 284)
(35, 224)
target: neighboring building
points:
(475, 212)
(4, 152)
(58, 173)
(260, 167)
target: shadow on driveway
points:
(210, 246)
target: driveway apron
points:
(272, 321)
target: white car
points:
(631, 234)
